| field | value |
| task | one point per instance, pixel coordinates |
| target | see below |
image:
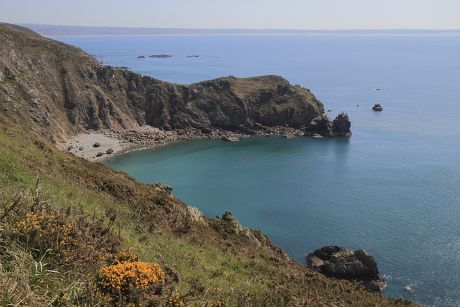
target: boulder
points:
(341, 263)
(96, 145)
(377, 108)
(109, 151)
(99, 154)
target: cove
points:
(305, 193)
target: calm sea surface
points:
(393, 188)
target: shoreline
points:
(100, 145)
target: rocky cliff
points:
(60, 90)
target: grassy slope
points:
(212, 263)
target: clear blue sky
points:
(261, 14)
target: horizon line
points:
(238, 29)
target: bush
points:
(128, 280)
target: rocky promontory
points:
(59, 91)
(341, 263)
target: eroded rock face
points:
(339, 262)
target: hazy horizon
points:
(240, 14)
(234, 28)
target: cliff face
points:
(59, 89)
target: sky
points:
(243, 14)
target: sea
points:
(392, 188)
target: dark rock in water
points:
(230, 139)
(341, 263)
(96, 145)
(141, 57)
(342, 125)
(322, 126)
(109, 151)
(377, 108)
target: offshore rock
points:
(341, 263)
(377, 108)
(342, 125)
(322, 126)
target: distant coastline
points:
(55, 30)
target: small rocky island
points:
(160, 56)
(341, 263)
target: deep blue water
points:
(393, 188)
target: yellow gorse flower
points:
(46, 227)
(123, 276)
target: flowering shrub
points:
(126, 276)
(46, 231)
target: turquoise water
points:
(393, 188)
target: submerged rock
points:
(339, 262)
(377, 108)
(230, 139)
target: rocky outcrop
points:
(230, 220)
(323, 126)
(195, 215)
(57, 90)
(341, 263)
